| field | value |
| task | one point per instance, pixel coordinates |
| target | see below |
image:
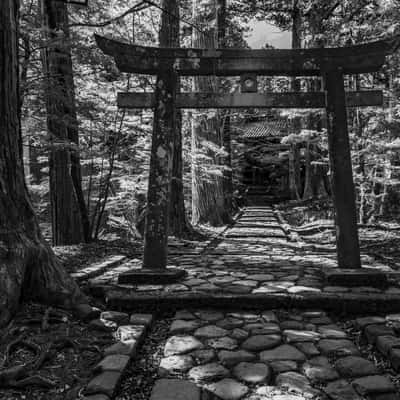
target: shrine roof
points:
(264, 129)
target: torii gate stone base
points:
(329, 63)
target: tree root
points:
(9, 347)
(45, 325)
(20, 376)
(44, 355)
(92, 349)
(12, 374)
(36, 380)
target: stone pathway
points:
(128, 332)
(269, 355)
(253, 258)
(231, 352)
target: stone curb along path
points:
(384, 334)
(129, 332)
(270, 355)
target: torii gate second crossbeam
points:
(330, 63)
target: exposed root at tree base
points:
(45, 353)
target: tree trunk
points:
(296, 38)
(297, 169)
(70, 219)
(358, 127)
(228, 173)
(162, 149)
(376, 195)
(320, 183)
(363, 203)
(294, 159)
(34, 165)
(387, 175)
(28, 267)
(208, 203)
(179, 225)
(294, 194)
(226, 119)
(308, 190)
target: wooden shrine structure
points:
(329, 63)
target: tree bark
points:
(208, 203)
(28, 267)
(179, 225)
(387, 175)
(34, 165)
(296, 38)
(226, 118)
(320, 183)
(228, 173)
(308, 191)
(70, 220)
(294, 194)
(162, 149)
(294, 158)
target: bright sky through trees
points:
(263, 33)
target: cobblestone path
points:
(232, 336)
(253, 257)
(276, 355)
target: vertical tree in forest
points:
(294, 156)
(70, 221)
(208, 203)
(28, 268)
(227, 185)
(179, 225)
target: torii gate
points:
(330, 63)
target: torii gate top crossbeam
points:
(357, 59)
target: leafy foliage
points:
(114, 145)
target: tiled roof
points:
(266, 128)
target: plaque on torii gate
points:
(329, 63)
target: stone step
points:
(98, 268)
(252, 233)
(337, 302)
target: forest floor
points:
(255, 256)
(48, 354)
(314, 224)
(78, 257)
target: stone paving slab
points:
(280, 365)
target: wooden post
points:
(156, 228)
(348, 250)
(158, 195)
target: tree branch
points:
(138, 7)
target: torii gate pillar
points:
(341, 172)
